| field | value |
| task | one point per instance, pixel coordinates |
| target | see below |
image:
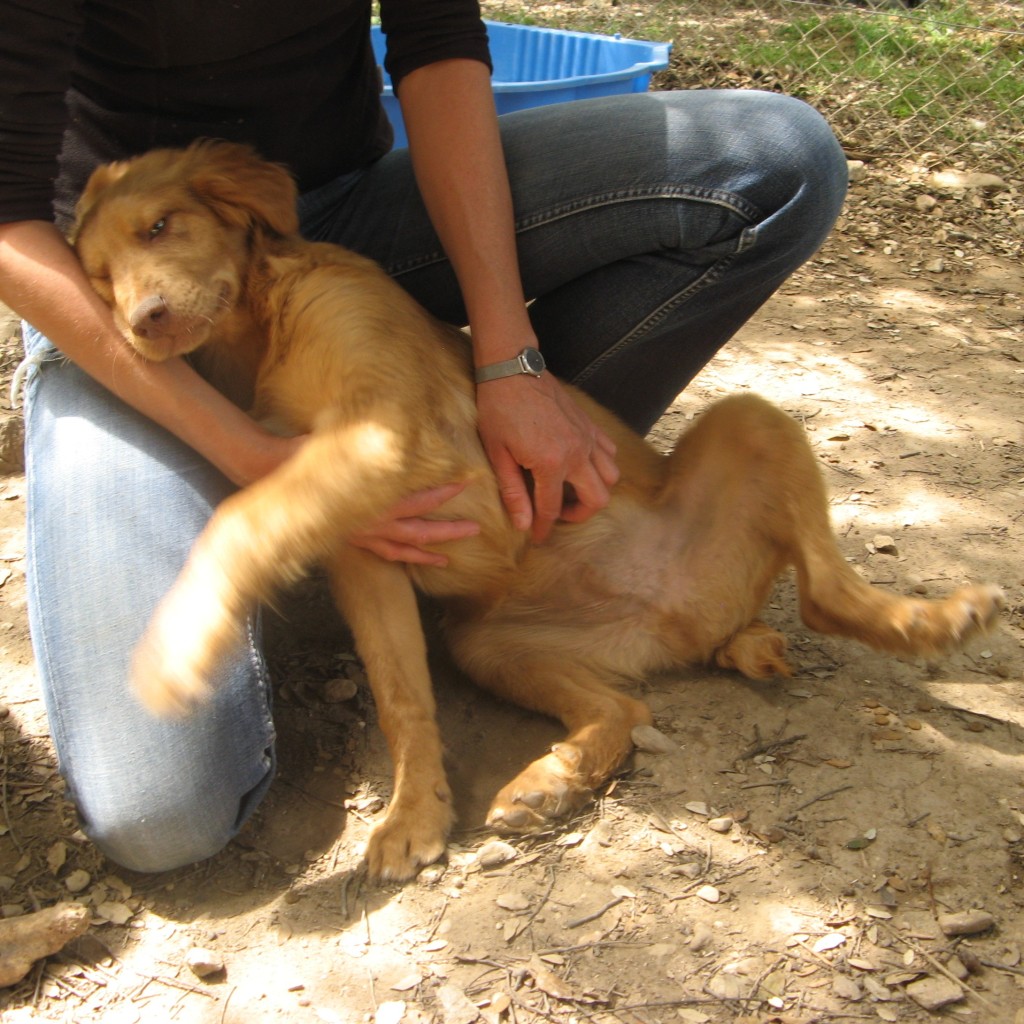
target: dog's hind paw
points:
(948, 624)
(546, 790)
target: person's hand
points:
(531, 423)
(404, 534)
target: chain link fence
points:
(896, 78)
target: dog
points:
(197, 252)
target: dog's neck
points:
(231, 359)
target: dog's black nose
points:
(149, 316)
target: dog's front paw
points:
(546, 790)
(166, 683)
(190, 634)
(413, 835)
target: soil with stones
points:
(844, 845)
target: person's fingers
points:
(392, 551)
(512, 487)
(420, 503)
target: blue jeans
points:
(650, 228)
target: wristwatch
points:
(529, 361)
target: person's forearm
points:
(460, 169)
(42, 281)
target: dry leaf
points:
(56, 856)
(114, 912)
(830, 941)
(408, 982)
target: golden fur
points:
(197, 252)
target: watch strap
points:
(529, 362)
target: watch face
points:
(534, 360)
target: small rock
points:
(967, 922)
(720, 824)
(513, 901)
(985, 182)
(699, 807)
(856, 170)
(935, 266)
(77, 881)
(972, 179)
(934, 993)
(701, 938)
(495, 853)
(456, 1006)
(431, 874)
(651, 740)
(926, 203)
(339, 690)
(709, 894)
(728, 986)
(203, 962)
(114, 912)
(390, 1012)
(884, 544)
(846, 988)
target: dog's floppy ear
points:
(242, 188)
(99, 181)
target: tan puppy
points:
(196, 251)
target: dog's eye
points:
(156, 228)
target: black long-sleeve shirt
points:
(87, 81)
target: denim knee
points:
(160, 840)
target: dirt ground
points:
(790, 859)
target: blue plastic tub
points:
(536, 66)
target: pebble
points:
(651, 740)
(77, 881)
(338, 690)
(513, 901)
(967, 922)
(495, 853)
(701, 938)
(934, 993)
(709, 894)
(720, 824)
(203, 962)
(846, 988)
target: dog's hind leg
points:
(780, 479)
(377, 600)
(267, 534)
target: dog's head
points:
(165, 238)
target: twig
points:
(766, 746)
(596, 914)
(941, 968)
(542, 901)
(996, 965)
(7, 816)
(224, 1009)
(807, 803)
(768, 782)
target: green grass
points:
(949, 64)
(918, 64)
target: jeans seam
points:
(716, 197)
(713, 274)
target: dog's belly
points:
(623, 590)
